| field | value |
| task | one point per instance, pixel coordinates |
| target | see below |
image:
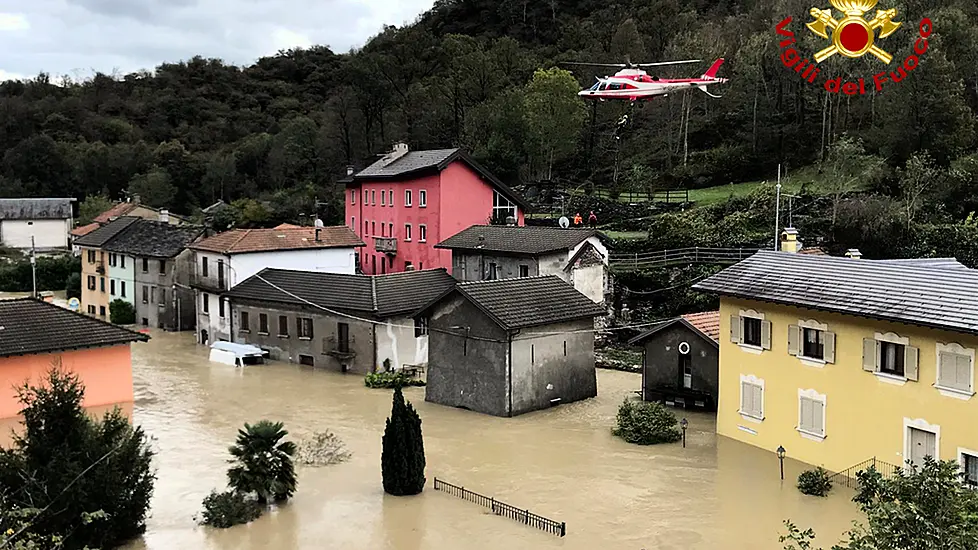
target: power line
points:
(650, 292)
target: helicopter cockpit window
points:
(603, 86)
(595, 87)
(615, 86)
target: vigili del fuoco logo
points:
(852, 36)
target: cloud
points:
(78, 37)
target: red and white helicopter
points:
(633, 84)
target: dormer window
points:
(502, 207)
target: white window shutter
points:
(870, 354)
(828, 341)
(745, 397)
(794, 338)
(910, 369)
(964, 372)
(735, 328)
(818, 409)
(805, 413)
(766, 334)
(946, 363)
(759, 401)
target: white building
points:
(48, 221)
(226, 259)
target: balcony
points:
(100, 268)
(386, 245)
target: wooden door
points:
(922, 443)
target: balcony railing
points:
(386, 245)
(100, 268)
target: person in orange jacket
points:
(578, 220)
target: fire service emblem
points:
(853, 36)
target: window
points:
(145, 265)
(112, 262)
(524, 271)
(220, 307)
(122, 289)
(122, 261)
(891, 356)
(407, 197)
(502, 207)
(382, 229)
(145, 322)
(146, 297)
(162, 267)
(954, 369)
(353, 223)
(812, 343)
(91, 257)
(353, 196)
(101, 284)
(422, 233)
(244, 322)
(283, 325)
(366, 226)
(750, 330)
(205, 301)
(91, 310)
(751, 397)
(811, 414)
(391, 195)
(422, 198)
(811, 340)
(112, 287)
(383, 197)
(493, 271)
(373, 228)
(565, 348)
(373, 198)
(220, 274)
(304, 328)
(343, 337)
(262, 323)
(307, 360)
(203, 266)
(162, 296)
(152, 295)
(101, 311)
(390, 230)
(969, 467)
(91, 282)
(365, 201)
(407, 232)
(420, 327)
(532, 354)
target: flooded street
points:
(561, 463)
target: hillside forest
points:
(893, 173)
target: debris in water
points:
(322, 449)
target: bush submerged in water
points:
(815, 482)
(645, 423)
(229, 508)
(390, 380)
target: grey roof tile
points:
(381, 296)
(153, 239)
(529, 301)
(35, 209)
(532, 240)
(101, 236)
(942, 296)
(31, 326)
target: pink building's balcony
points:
(386, 245)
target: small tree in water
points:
(263, 462)
(402, 460)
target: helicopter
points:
(634, 84)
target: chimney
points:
(349, 170)
(400, 149)
(317, 234)
(789, 240)
(165, 216)
(511, 221)
(854, 253)
(135, 198)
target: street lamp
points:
(684, 424)
(781, 452)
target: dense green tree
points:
(91, 207)
(122, 312)
(154, 188)
(402, 460)
(262, 464)
(555, 116)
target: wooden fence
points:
(665, 258)
(558, 528)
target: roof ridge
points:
(79, 314)
(238, 240)
(373, 295)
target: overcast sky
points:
(78, 37)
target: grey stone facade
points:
(470, 266)
(664, 366)
(163, 298)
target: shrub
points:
(402, 460)
(122, 312)
(645, 423)
(52, 273)
(323, 449)
(390, 380)
(815, 482)
(263, 462)
(73, 286)
(228, 509)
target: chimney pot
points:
(317, 234)
(789, 240)
(349, 170)
(854, 253)
(165, 216)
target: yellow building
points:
(841, 360)
(96, 289)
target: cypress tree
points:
(402, 459)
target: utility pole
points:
(777, 212)
(34, 266)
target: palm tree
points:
(263, 462)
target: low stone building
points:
(343, 322)
(680, 361)
(488, 252)
(510, 346)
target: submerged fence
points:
(848, 476)
(558, 528)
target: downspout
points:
(644, 366)
(231, 321)
(509, 337)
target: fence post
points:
(563, 528)
(636, 260)
(492, 504)
(436, 483)
(526, 518)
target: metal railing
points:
(849, 478)
(694, 255)
(499, 508)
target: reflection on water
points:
(562, 463)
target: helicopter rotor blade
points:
(664, 63)
(593, 64)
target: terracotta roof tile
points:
(707, 322)
(85, 229)
(288, 226)
(243, 241)
(116, 211)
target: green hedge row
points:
(52, 273)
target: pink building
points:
(409, 201)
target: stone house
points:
(226, 259)
(510, 346)
(159, 270)
(488, 252)
(337, 321)
(680, 361)
(47, 221)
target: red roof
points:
(813, 251)
(116, 211)
(707, 322)
(85, 229)
(242, 241)
(288, 226)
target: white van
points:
(238, 355)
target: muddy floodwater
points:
(562, 463)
